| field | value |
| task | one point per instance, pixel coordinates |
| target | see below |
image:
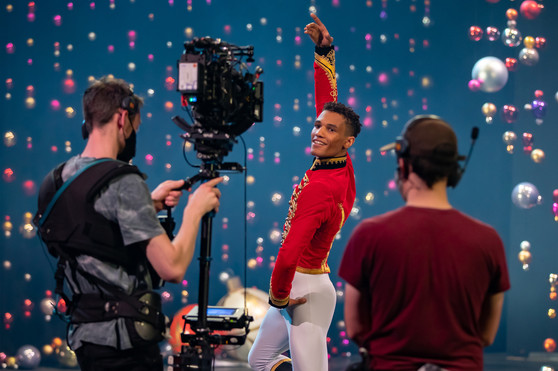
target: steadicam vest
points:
(69, 225)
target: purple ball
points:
(538, 107)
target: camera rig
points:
(225, 101)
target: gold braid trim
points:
(321, 270)
(327, 63)
(278, 302)
(332, 162)
(292, 207)
(280, 363)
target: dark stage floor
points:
(492, 362)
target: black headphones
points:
(402, 150)
(129, 103)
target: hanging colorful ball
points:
(529, 42)
(511, 14)
(511, 37)
(28, 357)
(509, 113)
(540, 42)
(509, 137)
(525, 195)
(475, 33)
(492, 74)
(549, 345)
(530, 9)
(538, 108)
(529, 56)
(511, 64)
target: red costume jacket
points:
(319, 205)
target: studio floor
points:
(492, 362)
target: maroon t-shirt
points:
(424, 274)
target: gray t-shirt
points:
(127, 201)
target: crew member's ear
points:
(122, 114)
(404, 168)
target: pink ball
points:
(474, 85)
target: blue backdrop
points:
(394, 59)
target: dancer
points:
(301, 293)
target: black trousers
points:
(93, 357)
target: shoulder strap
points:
(110, 172)
(65, 185)
(50, 184)
(106, 169)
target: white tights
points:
(302, 328)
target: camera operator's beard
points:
(129, 150)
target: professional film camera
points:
(223, 100)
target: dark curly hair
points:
(352, 119)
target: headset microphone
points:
(474, 136)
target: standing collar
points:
(329, 163)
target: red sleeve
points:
(325, 84)
(312, 208)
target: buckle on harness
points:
(112, 307)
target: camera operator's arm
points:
(166, 194)
(325, 84)
(171, 259)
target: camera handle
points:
(167, 221)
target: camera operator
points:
(117, 249)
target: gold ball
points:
(529, 42)
(489, 109)
(537, 155)
(48, 349)
(11, 361)
(524, 256)
(9, 139)
(30, 102)
(70, 112)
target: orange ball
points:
(176, 327)
(553, 295)
(549, 345)
(56, 342)
(511, 14)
